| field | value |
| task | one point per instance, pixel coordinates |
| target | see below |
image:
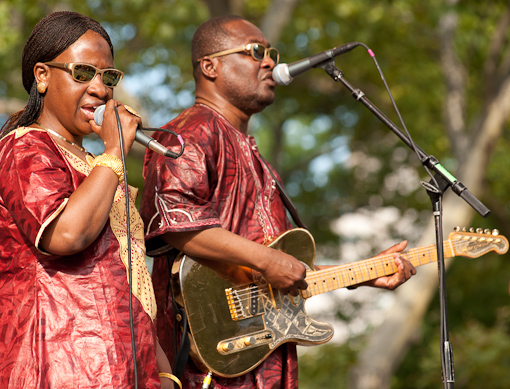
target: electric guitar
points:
(236, 319)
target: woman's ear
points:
(42, 76)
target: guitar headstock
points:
(475, 243)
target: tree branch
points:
(277, 17)
(218, 7)
(492, 72)
(455, 79)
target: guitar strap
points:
(181, 356)
(286, 199)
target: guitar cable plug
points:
(207, 381)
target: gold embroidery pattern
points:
(142, 283)
(77, 163)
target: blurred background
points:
(355, 183)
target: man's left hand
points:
(405, 270)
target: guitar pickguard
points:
(289, 322)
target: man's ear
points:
(208, 67)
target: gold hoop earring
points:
(41, 87)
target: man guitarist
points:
(219, 201)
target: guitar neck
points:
(342, 276)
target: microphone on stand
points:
(283, 74)
(140, 137)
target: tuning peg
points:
(487, 231)
(479, 230)
(495, 232)
(471, 229)
(456, 228)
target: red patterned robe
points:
(219, 181)
(64, 321)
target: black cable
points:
(169, 153)
(398, 113)
(128, 233)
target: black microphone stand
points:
(435, 188)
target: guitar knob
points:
(229, 346)
(249, 341)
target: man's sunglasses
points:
(257, 51)
(83, 72)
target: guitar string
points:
(248, 290)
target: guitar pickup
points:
(245, 342)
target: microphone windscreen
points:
(98, 114)
(281, 74)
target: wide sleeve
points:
(35, 184)
(178, 193)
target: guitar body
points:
(229, 345)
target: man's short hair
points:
(210, 37)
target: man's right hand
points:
(284, 272)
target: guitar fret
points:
(371, 266)
(367, 269)
(351, 274)
(418, 258)
(320, 284)
(450, 247)
(345, 276)
(389, 266)
(328, 284)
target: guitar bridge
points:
(243, 302)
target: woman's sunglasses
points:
(257, 51)
(83, 72)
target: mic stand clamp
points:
(435, 188)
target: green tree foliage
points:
(479, 327)
(329, 368)
(334, 155)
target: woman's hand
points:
(164, 367)
(109, 132)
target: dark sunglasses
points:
(83, 72)
(257, 51)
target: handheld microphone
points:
(140, 136)
(283, 74)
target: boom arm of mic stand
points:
(427, 160)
